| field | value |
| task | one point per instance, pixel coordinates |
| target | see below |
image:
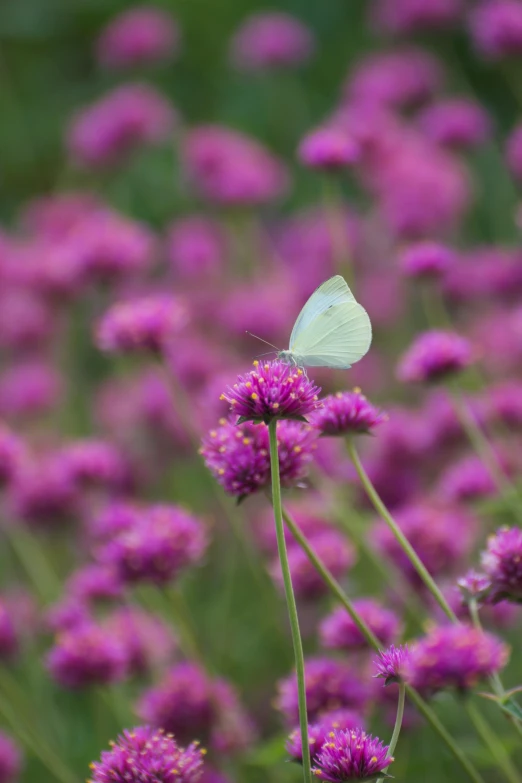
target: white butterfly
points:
(332, 329)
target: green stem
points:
(403, 542)
(290, 600)
(333, 212)
(188, 641)
(492, 742)
(485, 451)
(437, 726)
(374, 643)
(398, 724)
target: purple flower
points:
(93, 583)
(273, 390)
(229, 168)
(334, 551)
(503, 404)
(351, 754)
(426, 260)
(43, 493)
(162, 542)
(392, 662)
(113, 519)
(188, 703)
(466, 479)
(29, 387)
(457, 123)
(271, 40)
(404, 17)
(347, 413)
(441, 537)
(27, 322)
(139, 36)
(474, 586)
(319, 733)
(96, 463)
(10, 759)
(67, 614)
(339, 632)
(54, 215)
(146, 754)
(145, 324)
(196, 245)
(433, 356)
(84, 656)
(106, 132)
(329, 148)
(502, 562)
(147, 640)
(454, 656)
(496, 28)
(9, 637)
(397, 78)
(330, 685)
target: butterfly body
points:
(332, 330)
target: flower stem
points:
(333, 212)
(374, 643)
(492, 742)
(290, 599)
(403, 542)
(487, 454)
(398, 724)
(424, 708)
(29, 552)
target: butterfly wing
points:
(332, 292)
(332, 330)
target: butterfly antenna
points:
(259, 355)
(263, 341)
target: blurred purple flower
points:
(139, 36)
(29, 387)
(468, 479)
(12, 453)
(434, 356)
(271, 40)
(196, 245)
(9, 636)
(147, 640)
(339, 632)
(95, 463)
(320, 732)
(502, 562)
(146, 754)
(85, 656)
(330, 685)
(145, 324)
(229, 168)
(347, 413)
(163, 541)
(107, 131)
(426, 260)
(496, 28)
(391, 663)
(10, 759)
(328, 148)
(92, 583)
(458, 123)
(406, 17)
(454, 656)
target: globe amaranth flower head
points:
(9, 636)
(126, 119)
(11, 455)
(196, 245)
(145, 324)
(94, 463)
(329, 148)
(163, 541)
(271, 40)
(347, 413)
(84, 656)
(467, 479)
(272, 390)
(231, 169)
(238, 455)
(454, 656)
(10, 759)
(330, 685)
(146, 754)
(426, 260)
(351, 754)
(318, 733)
(188, 703)
(474, 586)
(339, 632)
(502, 563)
(147, 640)
(457, 123)
(140, 36)
(434, 356)
(391, 663)
(496, 28)
(404, 17)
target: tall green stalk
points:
(398, 724)
(290, 600)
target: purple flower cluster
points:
(146, 324)
(319, 733)
(273, 390)
(454, 656)
(502, 562)
(146, 754)
(271, 40)
(85, 656)
(434, 356)
(391, 664)
(351, 754)
(238, 455)
(338, 631)
(139, 36)
(347, 413)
